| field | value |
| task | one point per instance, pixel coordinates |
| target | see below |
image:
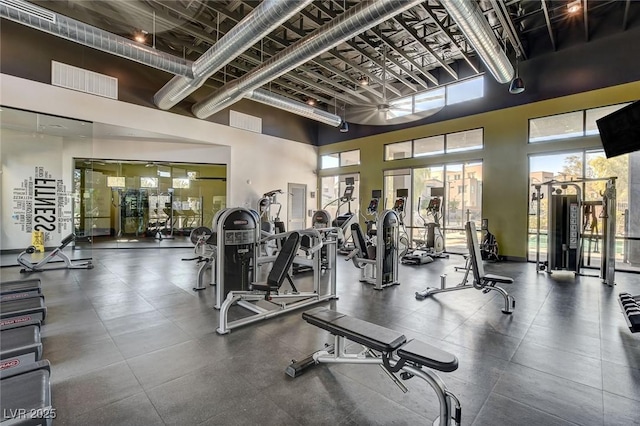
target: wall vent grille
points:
(82, 80)
(245, 121)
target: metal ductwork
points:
(45, 20)
(354, 21)
(473, 24)
(299, 108)
(264, 19)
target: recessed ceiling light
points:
(574, 6)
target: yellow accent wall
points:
(505, 157)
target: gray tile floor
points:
(130, 343)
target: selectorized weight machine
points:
(378, 263)
(567, 213)
(237, 263)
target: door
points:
(296, 206)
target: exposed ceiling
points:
(419, 49)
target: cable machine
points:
(569, 217)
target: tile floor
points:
(131, 344)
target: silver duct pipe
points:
(45, 20)
(265, 18)
(286, 104)
(472, 23)
(354, 21)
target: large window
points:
(589, 164)
(461, 184)
(435, 99)
(435, 145)
(397, 151)
(340, 159)
(467, 90)
(568, 125)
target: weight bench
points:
(481, 281)
(15, 313)
(411, 358)
(25, 395)
(20, 346)
(20, 289)
(631, 310)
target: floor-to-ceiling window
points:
(459, 189)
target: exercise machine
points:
(343, 221)
(378, 263)
(565, 216)
(25, 394)
(269, 210)
(371, 217)
(17, 313)
(481, 281)
(630, 306)
(432, 241)
(237, 270)
(29, 266)
(387, 348)
(399, 206)
(20, 346)
(20, 289)
(489, 244)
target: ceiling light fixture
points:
(363, 80)
(140, 36)
(517, 84)
(311, 101)
(574, 6)
(344, 126)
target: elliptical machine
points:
(399, 207)
(433, 241)
(344, 221)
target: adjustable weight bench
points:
(631, 310)
(20, 289)
(481, 281)
(15, 313)
(25, 395)
(411, 358)
(20, 346)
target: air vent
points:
(245, 121)
(30, 9)
(82, 80)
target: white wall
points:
(256, 163)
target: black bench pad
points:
(425, 354)
(498, 279)
(370, 335)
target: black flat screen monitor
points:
(620, 130)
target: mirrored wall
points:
(136, 203)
